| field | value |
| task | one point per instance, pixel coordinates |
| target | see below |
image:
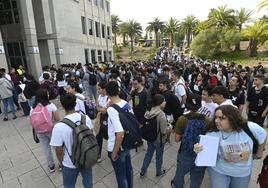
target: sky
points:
(144, 11)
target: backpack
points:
(255, 141)
(91, 109)
(41, 120)
(194, 128)
(263, 176)
(85, 149)
(132, 135)
(149, 129)
(92, 79)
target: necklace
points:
(225, 137)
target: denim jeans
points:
(31, 101)
(123, 169)
(93, 91)
(44, 139)
(218, 180)
(8, 102)
(159, 148)
(70, 177)
(185, 164)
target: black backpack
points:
(132, 134)
(149, 129)
(92, 79)
(85, 149)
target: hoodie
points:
(161, 121)
(5, 88)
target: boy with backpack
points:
(187, 130)
(123, 135)
(76, 146)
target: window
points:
(108, 6)
(8, 12)
(99, 56)
(90, 27)
(93, 56)
(105, 56)
(86, 56)
(108, 32)
(103, 30)
(102, 4)
(110, 56)
(15, 54)
(97, 28)
(83, 21)
(96, 2)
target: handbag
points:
(36, 139)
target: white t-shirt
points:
(80, 105)
(180, 90)
(114, 124)
(228, 102)
(62, 135)
(51, 109)
(103, 101)
(235, 151)
(208, 109)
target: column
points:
(3, 59)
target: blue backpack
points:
(195, 127)
(131, 126)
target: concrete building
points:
(35, 33)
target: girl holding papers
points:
(236, 152)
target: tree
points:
(115, 27)
(155, 26)
(242, 17)
(123, 31)
(221, 17)
(257, 35)
(172, 26)
(187, 25)
(263, 4)
(134, 29)
(200, 26)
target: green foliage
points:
(228, 38)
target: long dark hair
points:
(41, 96)
(237, 122)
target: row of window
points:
(8, 12)
(105, 56)
(100, 29)
(102, 3)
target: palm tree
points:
(257, 35)
(187, 25)
(200, 26)
(115, 27)
(134, 29)
(263, 4)
(222, 17)
(172, 26)
(242, 17)
(123, 31)
(155, 26)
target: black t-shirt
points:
(258, 100)
(237, 96)
(172, 104)
(139, 101)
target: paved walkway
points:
(22, 163)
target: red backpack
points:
(263, 176)
(41, 120)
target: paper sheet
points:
(208, 156)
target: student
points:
(62, 140)
(236, 94)
(208, 106)
(73, 88)
(233, 167)
(120, 159)
(158, 103)
(257, 101)
(187, 130)
(42, 98)
(31, 86)
(219, 96)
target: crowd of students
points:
(189, 97)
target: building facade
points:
(36, 33)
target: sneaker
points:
(52, 169)
(162, 173)
(15, 117)
(5, 119)
(60, 167)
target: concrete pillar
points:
(3, 60)
(31, 44)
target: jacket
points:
(5, 88)
(161, 122)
